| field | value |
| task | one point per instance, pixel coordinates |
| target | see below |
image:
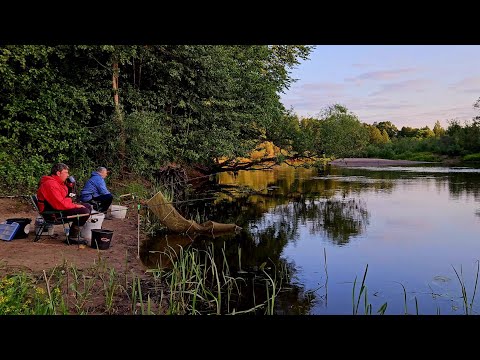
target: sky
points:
(408, 85)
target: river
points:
(410, 234)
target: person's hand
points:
(78, 206)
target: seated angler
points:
(53, 195)
(95, 190)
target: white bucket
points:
(118, 211)
(95, 221)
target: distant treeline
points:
(338, 133)
(426, 144)
(136, 108)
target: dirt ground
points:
(51, 251)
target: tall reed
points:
(467, 305)
(200, 284)
(363, 290)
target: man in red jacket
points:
(53, 194)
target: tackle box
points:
(8, 231)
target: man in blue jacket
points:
(95, 190)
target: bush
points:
(472, 157)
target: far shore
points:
(374, 162)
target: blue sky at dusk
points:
(409, 85)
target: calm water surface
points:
(412, 226)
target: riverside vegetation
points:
(137, 108)
(194, 285)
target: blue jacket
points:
(95, 186)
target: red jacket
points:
(55, 192)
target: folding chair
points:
(51, 218)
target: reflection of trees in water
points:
(271, 215)
(464, 184)
(458, 183)
(337, 218)
(273, 212)
(252, 282)
(264, 242)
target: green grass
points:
(22, 294)
(418, 156)
(196, 284)
(472, 157)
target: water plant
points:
(363, 290)
(467, 305)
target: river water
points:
(410, 234)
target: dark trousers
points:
(104, 202)
(81, 220)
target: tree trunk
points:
(119, 118)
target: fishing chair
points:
(51, 218)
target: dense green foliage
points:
(337, 132)
(430, 145)
(20, 295)
(134, 108)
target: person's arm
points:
(55, 197)
(102, 187)
(87, 192)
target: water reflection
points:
(460, 182)
(289, 216)
(243, 256)
(464, 184)
(158, 252)
(271, 214)
(337, 218)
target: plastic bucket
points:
(24, 228)
(101, 239)
(118, 211)
(95, 221)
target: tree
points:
(385, 137)
(438, 130)
(407, 131)
(43, 115)
(132, 107)
(425, 132)
(390, 128)
(375, 136)
(342, 133)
